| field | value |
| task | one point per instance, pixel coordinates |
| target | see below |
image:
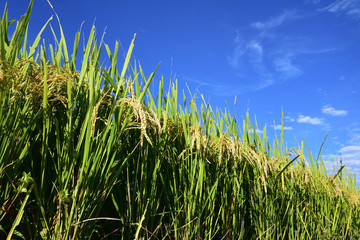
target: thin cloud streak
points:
(348, 7)
(222, 90)
(276, 21)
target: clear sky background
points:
(301, 57)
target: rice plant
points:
(92, 153)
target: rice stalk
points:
(110, 158)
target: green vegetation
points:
(93, 153)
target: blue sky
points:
(296, 57)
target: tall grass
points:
(93, 153)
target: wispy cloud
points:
(322, 92)
(239, 51)
(333, 112)
(256, 59)
(348, 7)
(275, 21)
(355, 136)
(285, 66)
(309, 120)
(267, 56)
(249, 59)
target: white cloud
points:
(333, 112)
(288, 118)
(278, 127)
(276, 21)
(309, 120)
(350, 155)
(349, 7)
(350, 149)
(258, 131)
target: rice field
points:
(92, 153)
